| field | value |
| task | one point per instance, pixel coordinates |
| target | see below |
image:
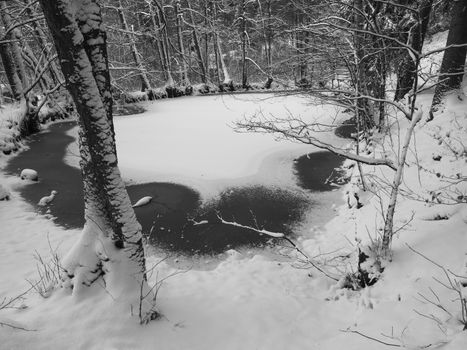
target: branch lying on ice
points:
(371, 338)
(263, 231)
(281, 236)
(6, 324)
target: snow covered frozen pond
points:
(185, 154)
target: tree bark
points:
(111, 243)
(243, 36)
(162, 25)
(41, 39)
(145, 84)
(407, 70)
(202, 69)
(389, 219)
(179, 20)
(11, 55)
(452, 68)
(364, 113)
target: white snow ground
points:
(258, 303)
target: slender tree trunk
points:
(366, 118)
(406, 72)
(11, 73)
(219, 55)
(268, 44)
(179, 20)
(202, 69)
(34, 66)
(452, 68)
(206, 38)
(243, 36)
(216, 46)
(41, 39)
(389, 220)
(162, 24)
(11, 55)
(111, 243)
(225, 71)
(145, 84)
(159, 43)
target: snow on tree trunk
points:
(179, 20)
(9, 51)
(145, 84)
(389, 221)
(225, 71)
(15, 36)
(243, 35)
(111, 242)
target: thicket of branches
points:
(159, 43)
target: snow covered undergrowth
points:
(10, 121)
(259, 303)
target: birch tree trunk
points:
(389, 220)
(179, 19)
(145, 84)
(110, 247)
(243, 36)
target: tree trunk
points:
(218, 49)
(145, 84)
(206, 39)
(32, 62)
(179, 20)
(243, 36)
(407, 71)
(452, 68)
(11, 55)
(11, 73)
(41, 39)
(389, 220)
(202, 69)
(366, 118)
(111, 242)
(162, 24)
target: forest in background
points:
(232, 45)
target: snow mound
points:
(29, 174)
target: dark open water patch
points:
(203, 232)
(319, 171)
(346, 129)
(168, 219)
